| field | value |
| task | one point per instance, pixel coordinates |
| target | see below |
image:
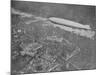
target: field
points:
(38, 47)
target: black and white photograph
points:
(52, 37)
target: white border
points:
(84, 2)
